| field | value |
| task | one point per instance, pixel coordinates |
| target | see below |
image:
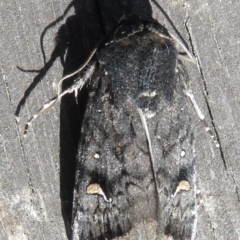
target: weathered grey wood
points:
(30, 201)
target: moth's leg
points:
(45, 107)
(189, 93)
(171, 38)
(82, 79)
(187, 90)
(79, 70)
(191, 58)
(88, 61)
(185, 58)
(76, 86)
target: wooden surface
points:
(37, 173)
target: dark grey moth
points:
(135, 168)
(135, 175)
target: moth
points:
(135, 175)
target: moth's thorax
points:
(140, 66)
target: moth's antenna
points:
(145, 126)
(144, 123)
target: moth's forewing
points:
(136, 70)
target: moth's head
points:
(135, 23)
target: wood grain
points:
(37, 173)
